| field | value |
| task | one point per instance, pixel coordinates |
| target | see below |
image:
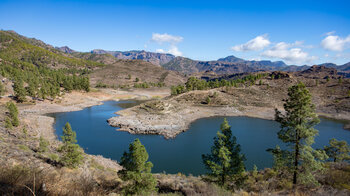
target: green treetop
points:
(137, 170)
(338, 150)
(225, 162)
(297, 131)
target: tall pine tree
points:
(225, 161)
(298, 133)
(137, 170)
(20, 91)
(72, 153)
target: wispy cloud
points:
(166, 38)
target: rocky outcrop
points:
(319, 72)
(152, 57)
(65, 49)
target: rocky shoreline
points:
(173, 115)
(171, 124)
(38, 123)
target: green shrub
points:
(54, 157)
(43, 145)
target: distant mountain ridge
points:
(228, 65)
(152, 57)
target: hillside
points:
(39, 71)
(152, 57)
(128, 73)
(232, 64)
(14, 47)
(228, 65)
(244, 95)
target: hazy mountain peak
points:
(231, 59)
(65, 49)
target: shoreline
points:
(38, 114)
(169, 125)
(38, 123)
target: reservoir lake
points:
(183, 154)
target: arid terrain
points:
(173, 115)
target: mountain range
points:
(227, 65)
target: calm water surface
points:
(182, 154)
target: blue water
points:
(183, 154)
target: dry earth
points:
(173, 115)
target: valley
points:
(173, 93)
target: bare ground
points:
(173, 115)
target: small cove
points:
(182, 154)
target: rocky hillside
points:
(257, 98)
(16, 49)
(232, 64)
(30, 56)
(228, 65)
(127, 73)
(152, 57)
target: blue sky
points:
(298, 32)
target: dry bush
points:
(19, 180)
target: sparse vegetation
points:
(194, 83)
(148, 85)
(101, 85)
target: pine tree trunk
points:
(223, 176)
(296, 159)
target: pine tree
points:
(280, 158)
(2, 89)
(8, 123)
(20, 91)
(338, 150)
(72, 153)
(13, 113)
(31, 89)
(225, 161)
(137, 170)
(43, 144)
(298, 132)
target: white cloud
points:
(160, 51)
(166, 38)
(258, 43)
(285, 52)
(172, 50)
(171, 41)
(335, 43)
